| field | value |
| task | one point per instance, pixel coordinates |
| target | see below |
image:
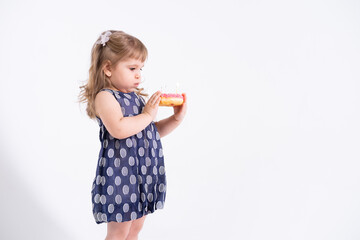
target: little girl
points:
(130, 177)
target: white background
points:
(269, 148)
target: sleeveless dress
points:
(130, 179)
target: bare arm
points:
(109, 111)
(167, 125)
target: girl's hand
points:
(180, 111)
(152, 105)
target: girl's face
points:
(126, 75)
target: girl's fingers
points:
(184, 95)
(155, 98)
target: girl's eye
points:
(133, 69)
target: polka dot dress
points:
(130, 179)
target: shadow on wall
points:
(21, 216)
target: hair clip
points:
(104, 38)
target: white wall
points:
(269, 148)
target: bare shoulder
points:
(106, 103)
(103, 96)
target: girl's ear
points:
(107, 68)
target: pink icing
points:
(169, 95)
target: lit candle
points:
(177, 87)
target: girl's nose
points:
(137, 76)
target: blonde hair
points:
(121, 46)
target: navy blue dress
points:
(130, 179)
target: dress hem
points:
(146, 213)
